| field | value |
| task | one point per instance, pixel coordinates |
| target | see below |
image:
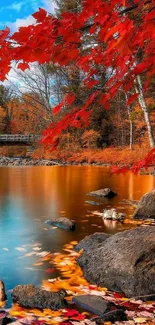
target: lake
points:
(30, 195)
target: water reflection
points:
(29, 195)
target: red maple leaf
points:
(23, 66)
(40, 15)
(132, 98)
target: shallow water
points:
(30, 195)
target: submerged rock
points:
(124, 262)
(146, 207)
(97, 305)
(92, 202)
(29, 296)
(133, 203)
(93, 241)
(61, 222)
(106, 192)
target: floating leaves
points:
(20, 249)
(71, 279)
(5, 249)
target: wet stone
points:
(124, 262)
(3, 296)
(97, 305)
(61, 222)
(105, 192)
(92, 203)
(93, 241)
(29, 296)
(146, 207)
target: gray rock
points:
(3, 296)
(61, 222)
(113, 316)
(97, 305)
(29, 296)
(93, 241)
(125, 262)
(146, 207)
(25, 161)
(5, 320)
(106, 192)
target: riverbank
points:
(79, 161)
(26, 161)
(110, 156)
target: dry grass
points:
(111, 155)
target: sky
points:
(16, 13)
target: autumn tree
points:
(67, 5)
(38, 85)
(116, 37)
(7, 103)
(90, 139)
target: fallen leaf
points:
(36, 248)
(49, 270)
(20, 249)
(139, 320)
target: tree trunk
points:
(131, 123)
(142, 103)
(131, 134)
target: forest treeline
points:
(28, 99)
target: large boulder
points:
(125, 262)
(93, 241)
(97, 305)
(146, 207)
(61, 222)
(105, 192)
(29, 296)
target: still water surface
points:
(30, 195)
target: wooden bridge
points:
(18, 139)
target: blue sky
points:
(18, 13)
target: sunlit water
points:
(30, 195)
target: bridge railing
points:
(19, 138)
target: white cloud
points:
(20, 22)
(49, 6)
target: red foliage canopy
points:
(119, 39)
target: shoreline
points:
(28, 161)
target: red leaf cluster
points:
(119, 37)
(147, 162)
(68, 100)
